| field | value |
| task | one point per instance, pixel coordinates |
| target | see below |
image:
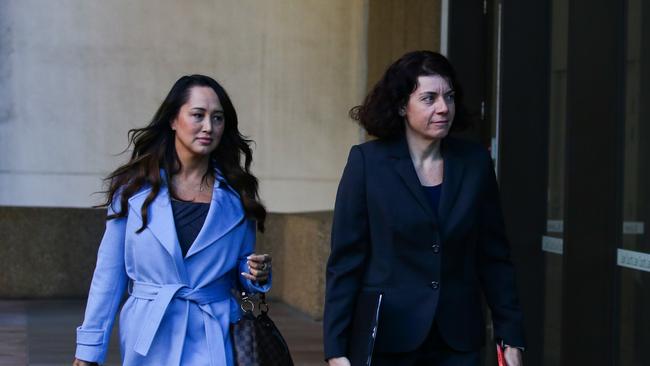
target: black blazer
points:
(386, 237)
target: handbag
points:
(256, 339)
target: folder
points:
(501, 360)
(364, 328)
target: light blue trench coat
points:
(179, 309)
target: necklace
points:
(188, 187)
(203, 186)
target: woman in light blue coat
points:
(180, 236)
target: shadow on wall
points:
(51, 253)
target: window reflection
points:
(635, 245)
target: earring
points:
(401, 112)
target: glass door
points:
(552, 242)
(633, 254)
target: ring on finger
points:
(264, 266)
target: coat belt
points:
(162, 296)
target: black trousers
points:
(433, 352)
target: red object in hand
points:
(501, 360)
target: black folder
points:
(364, 328)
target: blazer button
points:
(435, 285)
(436, 248)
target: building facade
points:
(560, 91)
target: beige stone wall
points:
(51, 253)
(48, 252)
(300, 245)
(75, 75)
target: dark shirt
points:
(433, 194)
(188, 218)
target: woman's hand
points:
(259, 266)
(338, 361)
(513, 356)
(78, 362)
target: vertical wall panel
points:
(468, 52)
(593, 184)
(398, 26)
(523, 151)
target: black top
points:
(188, 218)
(433, 194)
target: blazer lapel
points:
(404, 166)
(161, 223)
(225, 214)
(451, 182)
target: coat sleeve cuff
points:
(335, 349)
(512, 341)
(504, 344)
(257, 287)
(90, 345)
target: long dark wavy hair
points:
(379, 113)
(154, 149)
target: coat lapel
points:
(161, 223)
(225, 214)
(404, 166)
(452, 177)
(451, 182)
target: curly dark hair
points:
(154, 149)
(379, 113)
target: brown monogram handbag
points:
(256, 339)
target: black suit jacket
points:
(386, 238)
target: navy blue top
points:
(188, 219)
(433, 194)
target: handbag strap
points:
(264, 307)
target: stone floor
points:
(42, 333)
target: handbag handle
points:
(248, 304)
